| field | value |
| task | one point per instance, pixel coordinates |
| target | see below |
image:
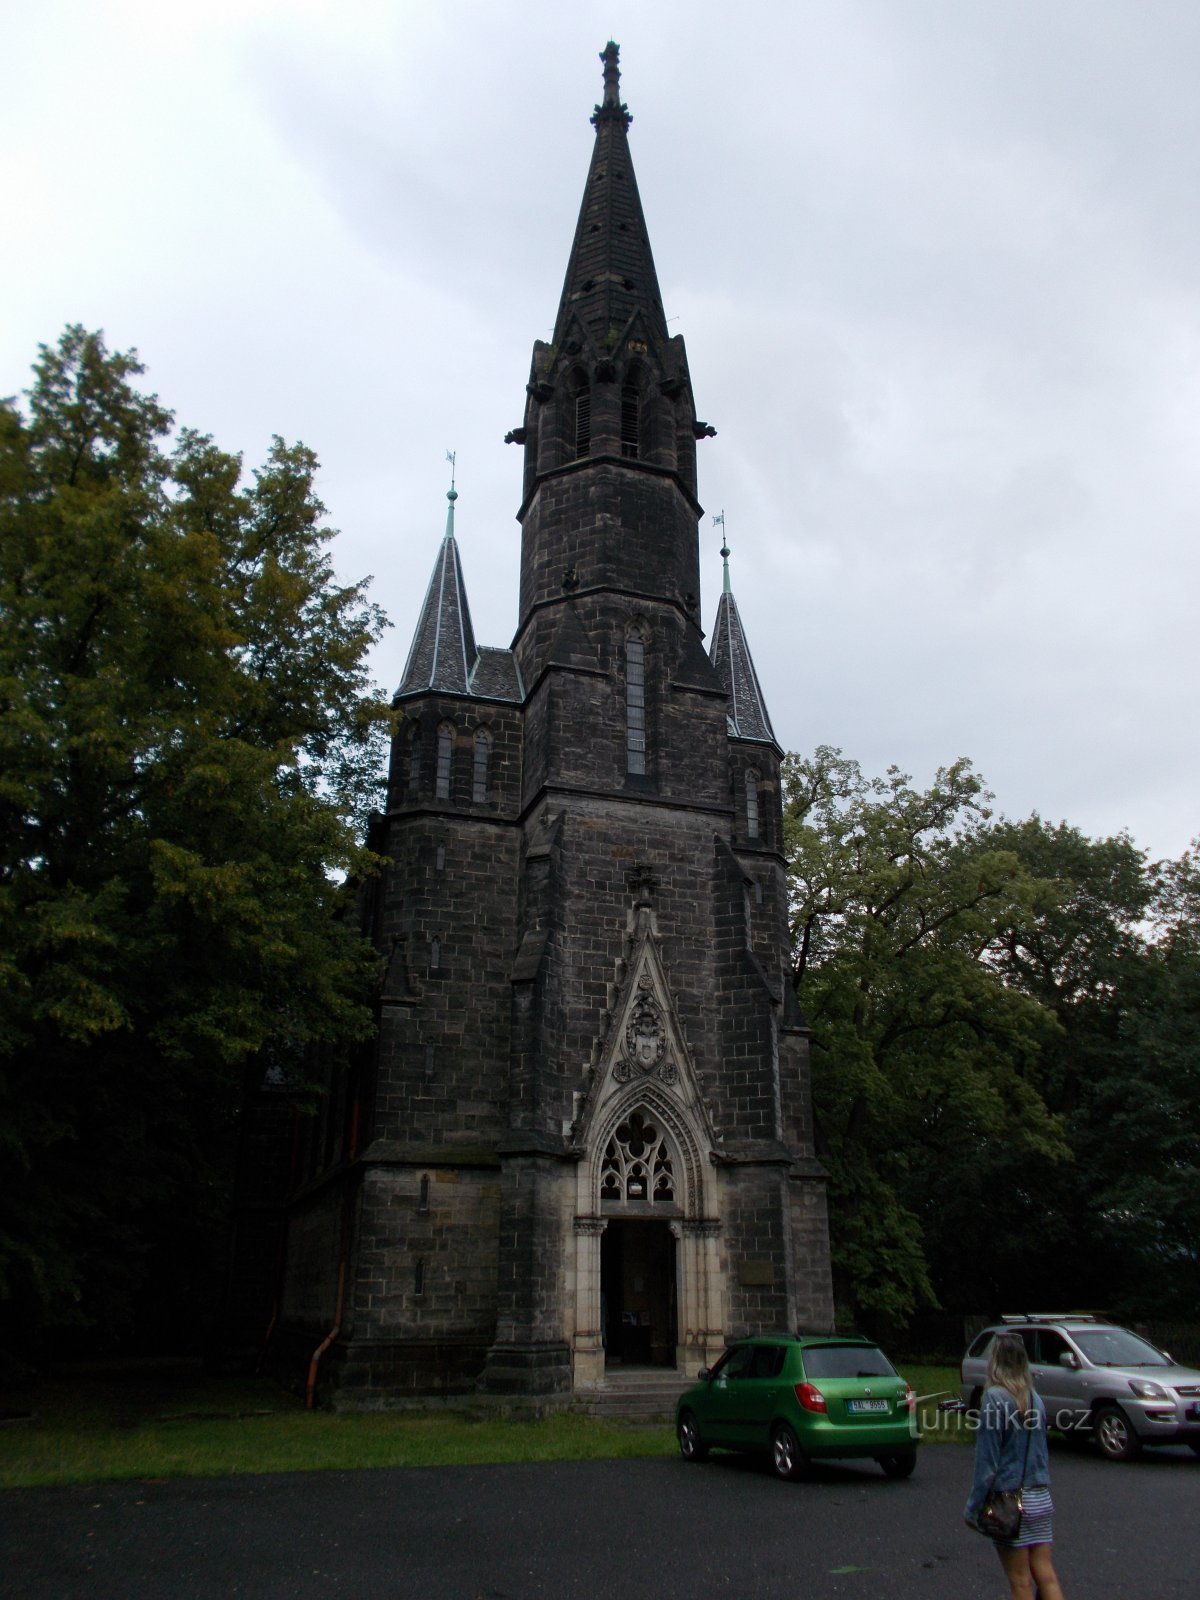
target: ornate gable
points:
(642, 1056)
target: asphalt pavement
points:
(646, 1530)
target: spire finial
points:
(719, 519)
(611, 105)
(451, 492)
(611, 57)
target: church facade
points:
(584, 1133)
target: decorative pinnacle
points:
(611, 105)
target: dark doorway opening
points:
(637, 1292)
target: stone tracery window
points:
(637, 1164)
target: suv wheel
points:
(787, 1458)
(1115, 1435)
(691, 1446)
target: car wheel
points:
(787, 1458)
(1115, 1435)
(900, 1464)
(691, 1446)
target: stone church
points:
(584, 1135)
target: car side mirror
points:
(704, 1374)
(1069, 1359)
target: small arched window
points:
(435, 954)
(635, 702)
(751, 803)
(414, 759)
(445, 756)
(479, 775)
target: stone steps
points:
(635, 1394)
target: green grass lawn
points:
(937, 1383)
(93, 1430)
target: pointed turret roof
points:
(611, 272)
(730, 656)
(443, 652)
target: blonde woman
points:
(1011, 1453)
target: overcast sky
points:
(937, 265)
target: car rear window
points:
(847, 1361)
(980, 1342)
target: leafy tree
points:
(924, 1060)
(1085, 957)
(188, 749)
(1152, 1193)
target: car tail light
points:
(910, 1397)
(810, 1397)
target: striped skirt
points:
(1037, 1519)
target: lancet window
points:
(583, 423)
(635, 702)
(630, 420)
(637, 1164)
(479, 779)
(751, 803)
(445, 755)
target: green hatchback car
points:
(802, 1398)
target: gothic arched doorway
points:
(637, 1292)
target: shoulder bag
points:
(999, 1516)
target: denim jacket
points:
(1004, 1441)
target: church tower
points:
(585, 1134)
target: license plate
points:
(866, 1405)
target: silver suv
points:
(1098, 1378)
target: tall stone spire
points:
(730, 656)
(443, 651)
(610, 427)
(611, 270)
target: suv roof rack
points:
(1052, 1316)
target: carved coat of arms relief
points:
(645, 1046)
